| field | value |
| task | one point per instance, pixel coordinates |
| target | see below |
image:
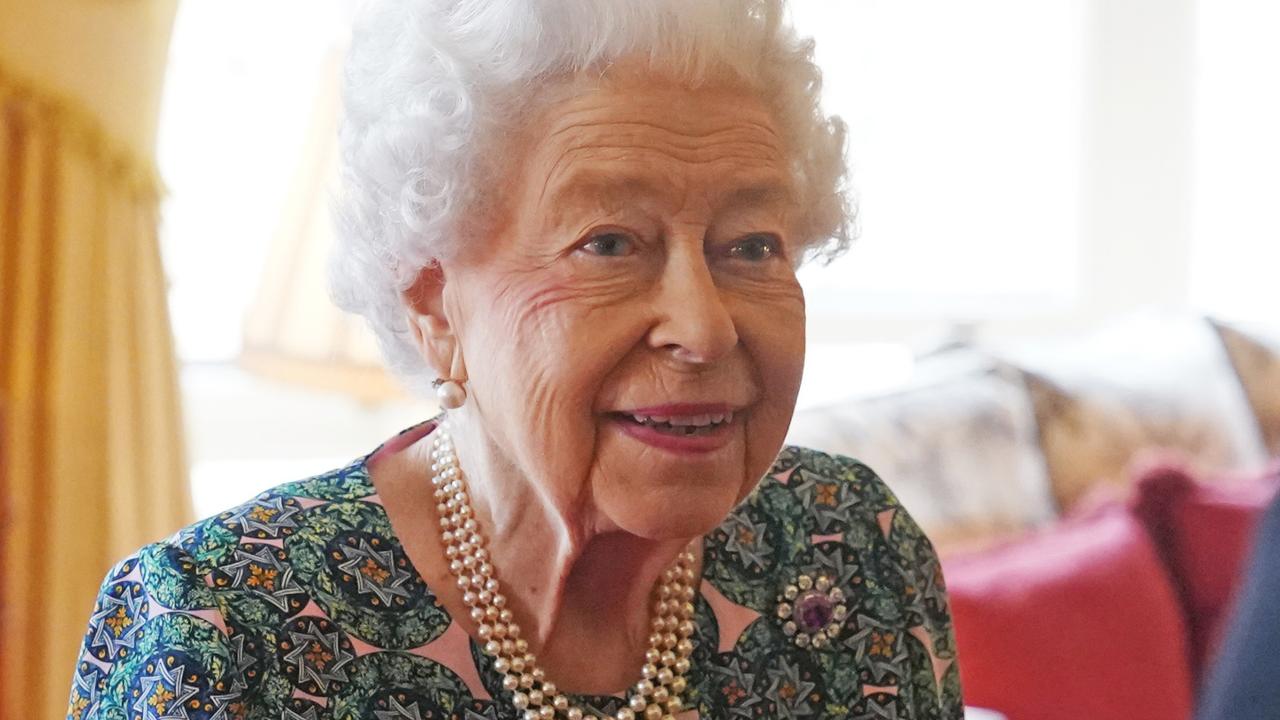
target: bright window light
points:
(1236, 234)
(965, 143)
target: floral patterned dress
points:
(820, 598)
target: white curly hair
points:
(431, 86)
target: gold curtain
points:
(92, 461)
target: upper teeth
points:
(685, 420)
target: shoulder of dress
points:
(267, 518)
(812, 509)
(805, 471)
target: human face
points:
(645, 267)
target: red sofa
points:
(1113, 612)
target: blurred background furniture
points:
(1093, 498)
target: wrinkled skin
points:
(646, 256)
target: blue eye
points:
(755, 248)
(610, 244)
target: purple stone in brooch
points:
(812, 611)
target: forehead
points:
(611, 142)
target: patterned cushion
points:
(1148, 380)
(1256, 358)
(958, 446)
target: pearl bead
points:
(520, 700)
(625, 714)
(451, 394)
(574, 714)
(638, 703)
(653, 712)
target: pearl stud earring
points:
(450, 392)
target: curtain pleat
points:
(92, 458)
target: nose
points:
(692, 321)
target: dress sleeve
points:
(910, 584)
(156, 645)
(933, 674)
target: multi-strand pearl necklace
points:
(655, 697)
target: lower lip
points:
(681, 444)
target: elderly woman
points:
(580, 222)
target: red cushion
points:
(1079, 621)
(1204, 533)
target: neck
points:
(580, 588)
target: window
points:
(964, 126)
(1235, 248)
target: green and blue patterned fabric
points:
(302, 605)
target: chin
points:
(667, 515)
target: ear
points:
(433, 333)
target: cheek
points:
(772, 330)
(538, 350)
(770, 319)
(562, 338)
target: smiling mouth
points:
(680, 425)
